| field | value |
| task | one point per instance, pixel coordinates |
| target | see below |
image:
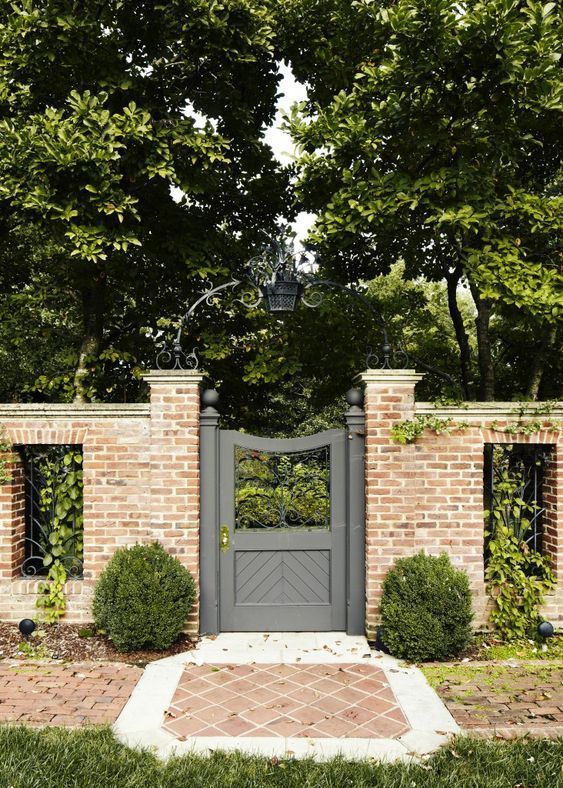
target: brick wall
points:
(390, 482)
(174, 469)
(429, 495)
(12, 517)
(140, 484)
(553, 528)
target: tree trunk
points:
(93, 302)
(538, 366)
(486, 369)
(452, 279)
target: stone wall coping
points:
(171, 376)
(390, 377)
(490, 410)
(61, 410)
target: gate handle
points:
(225, 538)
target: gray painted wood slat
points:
(271, 574)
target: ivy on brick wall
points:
(528, 427)
(409, 430)
(6, 456)
(541, 420)
(59, 503)
(517, 576)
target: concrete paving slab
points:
(419, 742)
(422, 706)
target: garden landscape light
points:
(26, 626)
(545, 629)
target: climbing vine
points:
(6, 454)
(409, 430)
(520, 427)
(528, 427)
(517, 576)
(59, 497)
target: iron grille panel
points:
(528, 463)
(282, 490)
(43, 511)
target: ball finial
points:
(355, 397)
(209, 398)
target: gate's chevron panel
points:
(282, 577)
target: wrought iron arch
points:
(279, 279)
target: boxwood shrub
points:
(143, 597)
(426, 608)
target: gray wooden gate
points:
(282, 530)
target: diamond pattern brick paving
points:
(71, 695)
(315, 701)
(505, 700)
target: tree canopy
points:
(433, 133)
(104, 107)
(133, 171)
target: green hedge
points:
(143, 597)
(426, 609)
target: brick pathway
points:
(285, 700)
(73, 695)
(492, 699)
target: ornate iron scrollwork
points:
(388, 358)
(44, 512)
(277, 490)
(177, 359)
(281, 278)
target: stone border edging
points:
(432, 725)
(511, 662)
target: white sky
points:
(280, 141)
(290, 92)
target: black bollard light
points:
(379, 642)
(545, 629)
(26, 626)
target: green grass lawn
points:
(488, 648)
(92, 758)
(497, 679)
